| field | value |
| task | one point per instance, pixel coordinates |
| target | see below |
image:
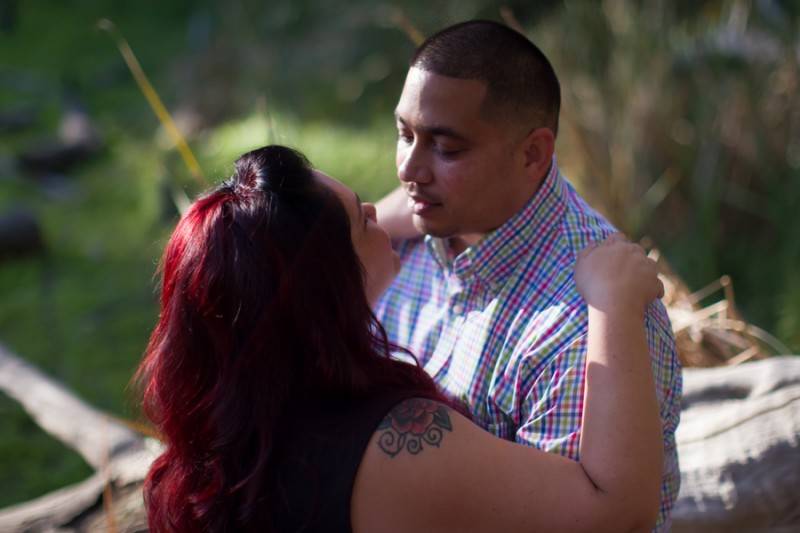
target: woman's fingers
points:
(616, 237)
(617, 274)
(611, 239)
(654, 267)
(587, 250)
(638, 249)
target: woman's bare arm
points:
(470, 480)
(621, 444)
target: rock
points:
(8, 167)
(20, 234)
(77, 141)
(16, 119)
(77, 129)
(739, 448)
(53, 156)
(59, 187)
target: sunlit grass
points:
(361, 157)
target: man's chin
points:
(428, 227)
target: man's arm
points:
(394, 215)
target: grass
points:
(361, 157)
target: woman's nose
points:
(369, 211)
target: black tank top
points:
(319, 460)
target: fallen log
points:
(55, 509)
(739, 448)
(119, 456)
(93, 434)
(738, 443)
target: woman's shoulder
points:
(411, 465)
(428, 468)
(320, 453)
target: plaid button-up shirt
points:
(502, 326)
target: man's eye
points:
(448, 152)
(405, 137)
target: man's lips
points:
(420, 204)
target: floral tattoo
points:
(412, 423)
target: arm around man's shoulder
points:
(551, 407)
(428, 468)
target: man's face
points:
(464, 172)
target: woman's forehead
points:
(345, 194)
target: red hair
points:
(262, 308)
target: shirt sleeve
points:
(550, 414)
(551, 409)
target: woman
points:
(271, 382)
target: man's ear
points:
(538, 149)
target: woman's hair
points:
(263, 310)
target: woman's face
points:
(371, 242)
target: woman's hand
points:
(394, 215)
(616, 275)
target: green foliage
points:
(680, 122)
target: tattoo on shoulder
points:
(412, 424)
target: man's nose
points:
(412, 166)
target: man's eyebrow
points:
(435, 130)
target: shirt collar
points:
(495, 256)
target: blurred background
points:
(680, 122)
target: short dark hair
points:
(518, 76)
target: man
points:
(486, 300)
